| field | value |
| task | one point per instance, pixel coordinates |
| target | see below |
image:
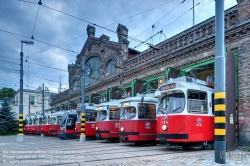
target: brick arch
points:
(72, 80)
(94, 55)
(105, 63)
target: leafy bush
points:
(247, 148)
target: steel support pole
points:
(193, 12)
(20, 136)
(43, 103)
(29, 105)
(83, 111)
(220, 80)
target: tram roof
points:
(111, 103)
(58, 113)
(184, 82)
(139, 99)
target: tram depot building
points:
(114, 70)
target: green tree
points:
(8, 122)
(7, 93)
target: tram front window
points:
(173, 103)
(90, 115)
(114, 114)
(128, 113)
(53, 120)
(146, 111)
(59, 119)
(102, 115)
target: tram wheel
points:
(154, 143)
(115, 140)
(137, 143)
(207, 147)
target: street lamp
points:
(20, 136)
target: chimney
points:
(122, 34)
(91, 31)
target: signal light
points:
(160, 81)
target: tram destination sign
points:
(167, 87)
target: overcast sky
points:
(54, 28)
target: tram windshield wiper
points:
(123, 114)
(176, 109)
(131, 116)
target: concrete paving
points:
(37, 150)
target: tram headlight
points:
(96, 128)
(164, 127)
(122, 129)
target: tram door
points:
(231, 88)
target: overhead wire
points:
(160, 19)
(171, 23)
(132, 38)
(12, 71)
(38, 41)
(32, 37)
(35, 63)
(101, 28)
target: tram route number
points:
(168, 86)
(147, 125)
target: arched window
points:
(93, 72)
(76, 85)
(110, 68)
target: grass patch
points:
(247, 148)
(9, 133)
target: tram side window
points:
(147, 111)
(40, 121)
(45, 120)
(197, 102)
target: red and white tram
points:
(31, 126)
(46, 124)
(67, 125)
(28, 122)
(185, 114)
(38, 124)
(107, 124)
(55, 119)
(90, 125)
(138, 119)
